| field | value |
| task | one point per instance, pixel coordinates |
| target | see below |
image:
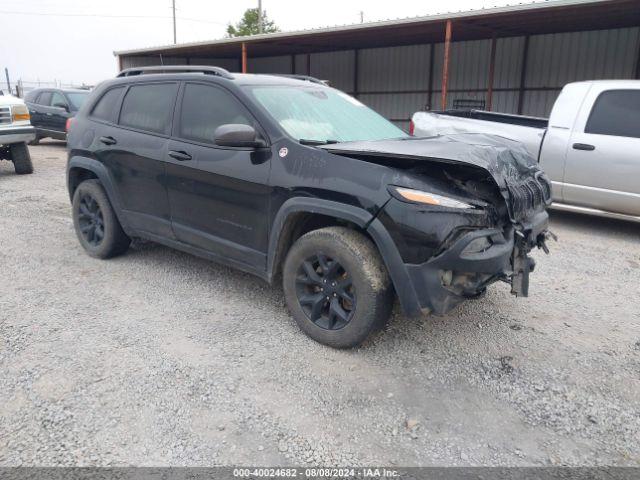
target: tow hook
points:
(523, 266)
(541, 240)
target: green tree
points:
(249, 24)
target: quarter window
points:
(149, 107)
(205, 108)
(616, 112)
(107, 106)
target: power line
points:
(39, 14)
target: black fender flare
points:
(365, 220)
(100, 171)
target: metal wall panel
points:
(557, 59)
(468, 67)
(281, 64)
(505, 102)
(301, 64)
(538, 103)
(404, 125)
(395, 106)
(508, 62)
(394, 68)
(231, 64)
(553, 61)
(337, 67)
(142, 61)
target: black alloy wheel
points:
(325, 292)
(90, 220)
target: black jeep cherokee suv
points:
(286, 177)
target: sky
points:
(72, 41)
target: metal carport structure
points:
(513, 59)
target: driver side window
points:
(204, 109)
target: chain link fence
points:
(22, 86)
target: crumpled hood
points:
(508, 161)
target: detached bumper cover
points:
(17, 135)
(475, 260)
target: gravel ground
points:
(161, 358)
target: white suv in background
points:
(15, 132)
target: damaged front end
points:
(452, 254)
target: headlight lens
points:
(19, 113)
(428, 198)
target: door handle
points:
(583, 146)
(108, 140)
(180, 156)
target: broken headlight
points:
(427, 198)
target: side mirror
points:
(63, 106)
(238, 135)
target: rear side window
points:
(44, 98)
(31, 97)
(58, 99)
(107, 106)
(616, 112)
(205, 108)
(149, 107)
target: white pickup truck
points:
(589, 146)
(15, 132)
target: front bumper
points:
(17, 135)
(461, 271)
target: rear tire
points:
(95, 222)
(337, 287)
(21, 158)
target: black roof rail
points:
(305, 78)
(221, 72)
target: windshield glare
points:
(77, 98)
(322, 114)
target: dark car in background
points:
(50, 108)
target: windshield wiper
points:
(304, 141)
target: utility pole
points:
(6, 72)
(173, 6)
(361, 16)
(259, 16)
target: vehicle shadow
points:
(490, 315)
(593, 225)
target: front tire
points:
(21, 158)
(95, 222)
(337, 287)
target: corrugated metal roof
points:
(382, 24)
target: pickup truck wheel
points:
(337, 287)
(21, 158)
(95, 222)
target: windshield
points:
(323, 114)
(77, 98)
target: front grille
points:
(5, 115)
(530, 195)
